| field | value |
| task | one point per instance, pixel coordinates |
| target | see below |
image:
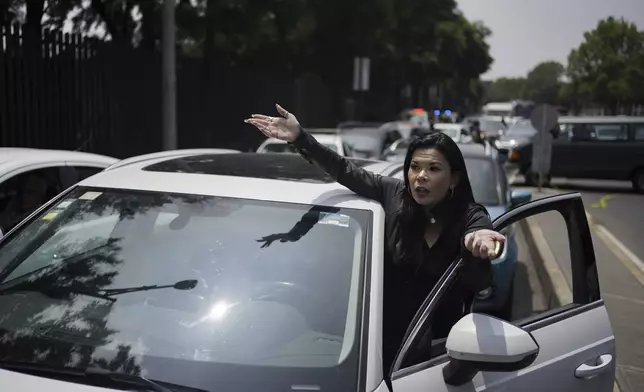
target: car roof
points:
(14, 157)
(440, 126)
(325, 138)
(476, 150)
(171, 154)
(600, 119)
(271, 176)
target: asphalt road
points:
(528, 297)
(614, 205)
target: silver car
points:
(243, 272)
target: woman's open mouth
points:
(421, 191)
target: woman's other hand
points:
(483, 243)
(286, 127)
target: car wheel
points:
(638, 180)
(532, 179)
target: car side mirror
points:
(520, 197)
(479, 342)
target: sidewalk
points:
(621, 290)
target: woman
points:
(431, 219)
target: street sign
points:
(361, 71)
(543, 118)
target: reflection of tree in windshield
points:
(50, 315)
(64, 331)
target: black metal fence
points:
(64, 91)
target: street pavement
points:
(616, 221)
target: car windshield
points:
(212, 293)
(450, 130)
(484, 181)
(487, 125)
(401, 147)
(521, 129)
(365, 142)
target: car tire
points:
(532, 179)
(638, 180)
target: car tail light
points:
(514, 156)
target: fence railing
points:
(65, 91)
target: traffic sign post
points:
(543, 118)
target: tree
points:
(543, 83)
(506, 89)
(608, 67)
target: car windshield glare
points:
(187, 289)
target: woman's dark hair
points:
(451, 211)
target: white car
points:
(246, 272)
(455, 131)
(57, 170)
(327, 137)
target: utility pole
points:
(169, 77)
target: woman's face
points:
(430, 177)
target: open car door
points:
(568, 348)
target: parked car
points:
(604, 147)
(397, 151)
(242, 272)
(367, 140)
(29, 177)
(518, 134)
(492, 127)
(455, 131)
(491, 189)
(329, 138)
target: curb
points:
(555, 287)
(553, 281)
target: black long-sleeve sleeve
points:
(364, 183)
(477, 273)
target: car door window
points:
(23, 193)
(638, 134)
(569, 332)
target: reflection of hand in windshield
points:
(301, 228)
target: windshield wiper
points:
(106, 294)
(111, 378)
(96, 376)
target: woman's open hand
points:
(285, 128)
(483, 243)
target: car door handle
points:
(588, 371)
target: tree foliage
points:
(419, 42)
(608, 67)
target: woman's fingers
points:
(263, 129)
(283, 112)
(469, 241)
(262, 122)
(260, 116)
(477, 246)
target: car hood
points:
(14, 381)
